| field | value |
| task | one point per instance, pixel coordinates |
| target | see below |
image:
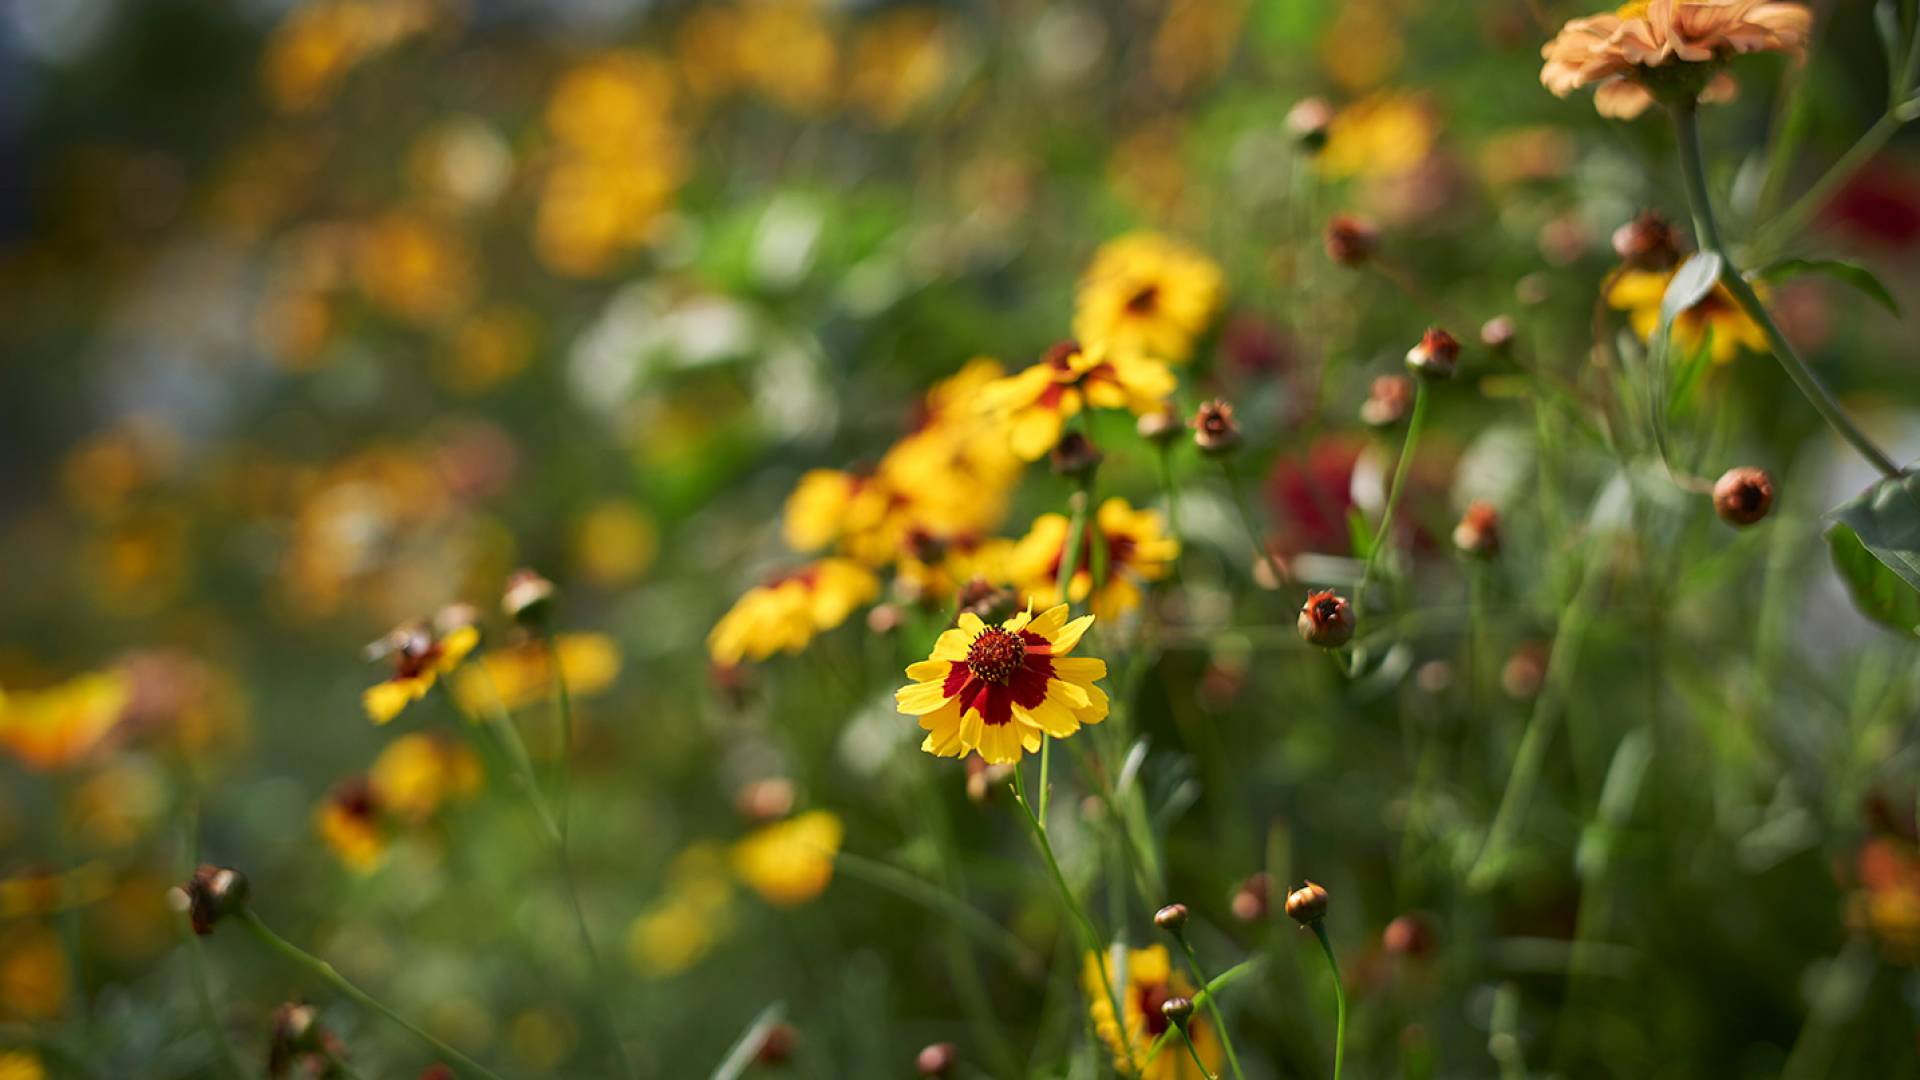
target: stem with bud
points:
(1319, 927)
(1213, 1008)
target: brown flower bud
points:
(1524, 671)
(1388, 401)
(777, 1045)
(1436, 356)
(884, 618)
(1497, 332)
(1350, 240)
(992, 603)
(1159, 427)
(1307, 904)
(296, 1038)
(1308, 122)
(1214, 430)
(1250, 902)
(1410, 936)
(984, 780)
(1177, 1010)
(1075, 456)
(768, 799)
(211, 894)
(1478, 534)
(1172, 918)
(937, 1059)
(1743, 495)
(528, 597)
(1326, 620)
(1648, 242)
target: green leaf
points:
(1877, 591)
(1851, 273)
(1885, 522)
(1886, 22)
(1689, 285)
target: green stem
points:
(1194, 1052)
(1260, 551)
(197, 956)
(326, 973)
(1220, 982)
(1693, 168)
(1384, 535)
(1339, 999)
(1213, 1008)
(958, 913)
(563, 708)
(1172, 494)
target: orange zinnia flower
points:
(1619, 52)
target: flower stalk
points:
(1319, 928)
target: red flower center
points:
(1143, 301)
(995, 656)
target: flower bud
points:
(1214, 430)
(1172, 918)
(1478, 534)
(983, 780)
(296, 1039)
(1075, 456)
(1177, 1010)
(211, 894)
(1648, 242)
(1308, 122)
(1307, 904)
(994, 604)
(1409, 935)
(884, 618)
(1326, 620)
(1436, 356)
(1159, 427)
(1743, 495)
(1349, 240)
(937, 1059)
(528, 597)
(1388, 401)
(1497, 333)
(777, 1045)
(765, 800)
(1251, 901)
(1524, 671)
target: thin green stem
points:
(563, 709)
(1339, 999)
(1213, 1008)
(197, 955)
(1693, 168)
(326, 973)
(1207, 994)
(1172, 494)
(1260, 551)
(958, 913)
(1384, 535)
(1194, 1052)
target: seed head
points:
(1177, 1010)
(1215, 431)
(1648, 242)
(1308, 122)
(1326, 620)
(211, 894)
(1743, 495)
(1075, 456)
(1388, 401)
(1437, 354)
(1350, 240)
(937, 1059)
(528, 597)
(1307, 904)
(1478, 534)
(1159, 427)
(1172, 918)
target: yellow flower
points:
(790, 862)
(1384, 135)
(1145, 293)
(33, 973)
(1150, 981)
(57, 726)
(784, 614)
(1037, 402)
(420, 659)
(900, 58)
(615, 543)
(1638, 293)
(1617, 51)
(351, 823)
(523, 674)
(312, 50)
(680, 929)
(413, 268)
(829, 504)
(786, 49)
(995, 689)
(1129, 542)
(934, 569)
(20, 1065)
(416, 773)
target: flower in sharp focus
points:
(790, 862)
(1036, 403)
(59, 725)
(522, 675)
(1715, 320)
(1147, 294)
(420, 656)
(1119, 548)
(784, 614)
(995, 689)
(1647, 47)
(1326, 620)
(1149, 983)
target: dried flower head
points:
(1159, 427)
(1743, 495)
(1215, 431)
(1351, 240)
(1437, 354)
(1307, 904)
(1172, 918)
(1326, 620)
(1389, 400)
(1478, 534)
(527, 598)
(212, 893)
(1648, 242)
(1649, 50)
(1075, 456)
(1308, 122)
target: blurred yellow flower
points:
(1122, 546)
(996, 689)
(1037, 402)
(1379, 137)
(900, 60)
(786, 50)
(139, 562)
(784, 614)
(790, 862)
(1195, 42)
(57, 726)
(103, 473)
(615, 542)
(318, 42)
(21, 1065)
(696, 910)
(488, 348)
(1150, 980)
(420, 657)
(351, 823)
(934, 569)
(1716, 318)
(416, 773)
(120, 804)
(1147, 294)
(1363, 45)
(413, 268)
(519, 676)
(45, 892)
(33, 973)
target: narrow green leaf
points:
(1842, 270)
(1689, 285)
(740, 1057)
(1886, 24)
(1879, 592)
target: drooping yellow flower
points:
(1620, 52)
(1150, 981)
(516, 677)
(1147, 294)
(1037, 402)
(416, 773)
(790, 862)
(784, 614)
(1638, 293)
(1122, 545)
(420, 658)
(352, 824)
(57, 726)
(995, 689)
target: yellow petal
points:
(929, 670)
(1069, 635)
(920, 698)
(385, 700)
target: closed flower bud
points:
(1308, 122)
(1388, 401)
(937, 1059)
(1214, 430)
(777, 1045)
(1436, 356)
(884, 618)
(1350, 241)
(1307, 904)
(1177, 1010)
(1251, 901)
(1524, 671)
(1326, 620)
(1648, 242)
(1410, 936)
(761, 801)
(984, 780)
(1743, 495)
(1497, 333)
(994, 604)
(1159, 427)
(527, 598)
(296, 1039)
(211, 894)
(1172, 918)
(1075, 456)
(1478, 534)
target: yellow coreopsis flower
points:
(995, 689)
(21, 1065)
(1619, 52)
(1384, 135)
(1150, 981)
(1131, 542)
(34, 976)
(57, 726)
(680, 928)
(784, 614)
(419, 659)
(1145, 293)
(1037, 402)
(1717, 315)
(790, 862)
(352, 824)
(522, 675)
(416, 773)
